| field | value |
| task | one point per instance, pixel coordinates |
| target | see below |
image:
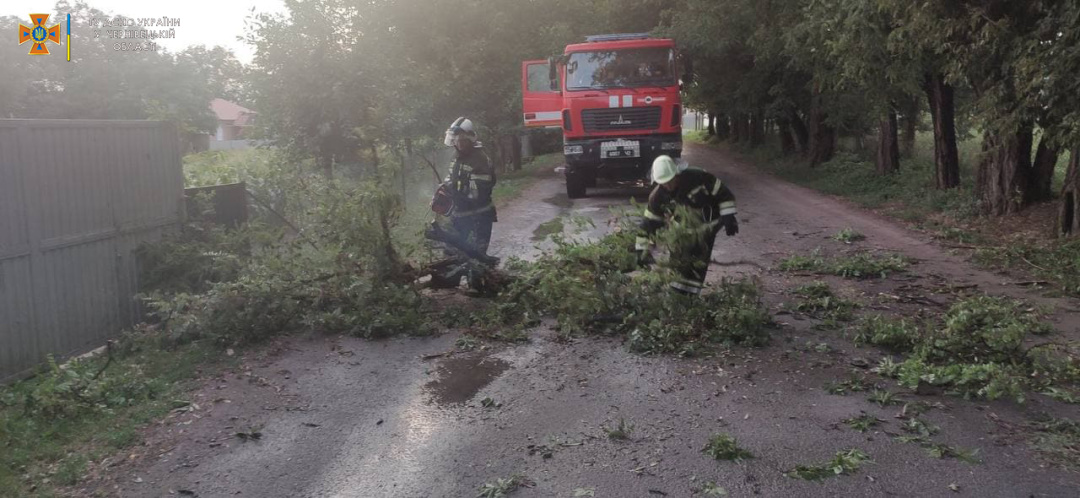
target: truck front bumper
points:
(591, 151)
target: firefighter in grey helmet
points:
(471, 181)
(707, 199)
(465, 197)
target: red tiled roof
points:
(228, 111)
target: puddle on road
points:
(461, 378)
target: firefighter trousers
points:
(692, 263)
(475, 229)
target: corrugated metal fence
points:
(76, 198)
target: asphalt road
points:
(350, 418)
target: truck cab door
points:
(541, 104)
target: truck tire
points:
(575, 184)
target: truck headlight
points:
(671, 146)
(573, 149)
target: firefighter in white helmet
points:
(469, 184)
(707, 198)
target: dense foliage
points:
(592, 287)
(813, 70)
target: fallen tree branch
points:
(281, 217)
(108, 359)
(1031, 282)
(1034, 265)
(433, 168)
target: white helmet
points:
(460, 126)
(664, 168)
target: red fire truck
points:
(616, 98)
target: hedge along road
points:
(347, 417)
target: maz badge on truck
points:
(620, 148)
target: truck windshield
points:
(621, 68)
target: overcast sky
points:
(202, 22)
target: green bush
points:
(78, 389)
(51, 422)
(335, 267)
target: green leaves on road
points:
(725, 447)
(845, 462)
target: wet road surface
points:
(342, 417)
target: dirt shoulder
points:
(407, 417)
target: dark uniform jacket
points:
(698, 190)
(472, 178)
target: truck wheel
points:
(575, 184)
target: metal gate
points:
(76, 198)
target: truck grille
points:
(621, 118)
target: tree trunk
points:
(943, 110)
(515, 151)
(712, 126)
(1042, 172)
(1004, 172)
(404, 172)
(757, 129)
(787, 139)
(723, 127)
(822, 136)
(802, 135)
(736, 129)
(1068, 222)
(911, 127)
(888, 153)
(744, 124)
(374, 156)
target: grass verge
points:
(56, 425)
(511, 184)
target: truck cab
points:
(616, 99)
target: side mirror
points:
(553, 73)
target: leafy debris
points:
(725, 447)
(844, 463)
(620, 432)
(502, 487)
(863, 423)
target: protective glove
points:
(731, 225)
